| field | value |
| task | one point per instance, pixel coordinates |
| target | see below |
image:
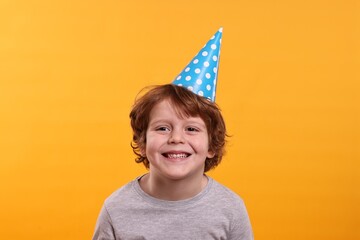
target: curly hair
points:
(186, 104)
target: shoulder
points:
(122, 196)
(232, 205)
(223, 193)
(228, 202)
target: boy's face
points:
(176, 147)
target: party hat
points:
(200, 75)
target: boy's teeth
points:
(176, 155)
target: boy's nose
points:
(176, 137)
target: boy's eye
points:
(162, 129)
(192, 129)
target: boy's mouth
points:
(176, 155)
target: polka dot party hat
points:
(200, 75)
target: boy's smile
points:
(176, 146)
(176, 155)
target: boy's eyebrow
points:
(156, 121)
(190, 121)
(197, 123)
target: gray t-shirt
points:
(215, 213)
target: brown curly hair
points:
(186, 104)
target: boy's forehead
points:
(181, 111)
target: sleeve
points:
(241, 226)
(104, 228)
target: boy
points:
(179, 136)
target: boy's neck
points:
(172, 190)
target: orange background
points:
(288, 87)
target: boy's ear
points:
(210, 154)
(143, 152)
